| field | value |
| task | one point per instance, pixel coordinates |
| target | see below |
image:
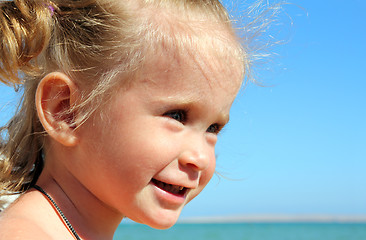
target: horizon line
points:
(277, 218)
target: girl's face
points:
(152, 150)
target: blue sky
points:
(298, 145)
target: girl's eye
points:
(214, 128)
(178, 115)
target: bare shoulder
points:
(20, 228)
(23, 219)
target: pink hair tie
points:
(52, 10)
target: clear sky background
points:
(298, 145)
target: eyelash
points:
(178, 115)
(214, 128)
(181, 116)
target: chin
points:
(165, 224)
(160, 221)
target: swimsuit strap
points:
(60, 213)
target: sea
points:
(245, 231)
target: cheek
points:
(204, 178)
(208, 173)
(137, 149)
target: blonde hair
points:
(95, 42)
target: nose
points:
(197, 154)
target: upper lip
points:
(187, 186)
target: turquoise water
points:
(246, 231)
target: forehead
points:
(208, 71)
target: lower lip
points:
(168, 197)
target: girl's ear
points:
(55, 97)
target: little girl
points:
(122, 103)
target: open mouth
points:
(173, 189)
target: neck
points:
(89, 216)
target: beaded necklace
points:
(60, 213)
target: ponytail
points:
(25, 30)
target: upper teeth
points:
(168, 187)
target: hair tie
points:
(51, 8)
